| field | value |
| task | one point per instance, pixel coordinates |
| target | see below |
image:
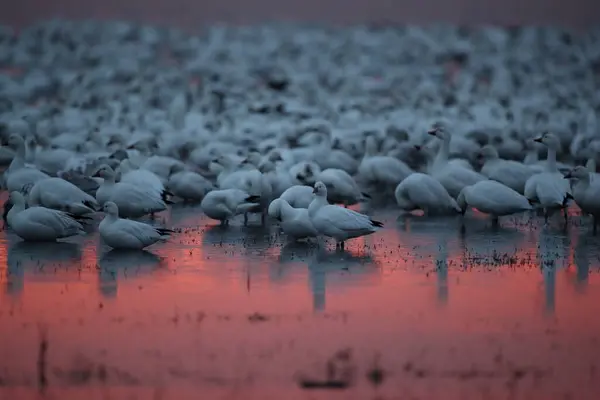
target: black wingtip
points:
(367, 195)
(164, 231)
(252, 199)
(79, 217)
(531, 202)
(165, 196)
(377, 223)
(167, 201)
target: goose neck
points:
(551, 160)
(442, 156)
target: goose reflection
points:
(127, 263)
(343, 266)
(250, 237)
(581, 257)
(553, 254)
(37, 258)
(441, 272)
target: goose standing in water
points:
(41, 223)
(134, 201)
(227, 203)
(494, 198)
(586, 192)
(60, 194)
(423, 192)
(549, 189)
(126, 234)
(294, 222)
(338, 222)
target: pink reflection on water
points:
(206, 312)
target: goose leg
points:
(263, 218)
(495, 221)
(545, 216)
(245, 219)
(566, 214)
(342, 246)
(595, 229)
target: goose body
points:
(294, 222)
(60, 194)
(121, 233)
(189, 185)
(341, 187)
(586, 192)
(510, 173)
(494, 198)
(224, 204)
(549, 189)
(41, 223)
(338, 222)
(298, 196)
(423, 192)
(133, 201)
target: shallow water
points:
(416, 311)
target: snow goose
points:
(381, 170)
(294, 222)
(60, 194)
(227, 203)
(510, 173)
(121, 233)
(133, 201)
(253, 182)
(453, 177)
(494, 198)
(549, 189)
(278, 176)
(145, 179)
(586, 192)
(423, 192)
(305, 172)
(341, 187)
(338, 222)
(20, 176)
(298, 196)
(41, 223)
(328, 157)
(188, 185)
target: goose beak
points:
(538, 140)
(314, 190)
(418, 147)
(568, 175)
(432, 131)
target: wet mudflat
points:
(418, 310)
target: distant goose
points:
(423, 192)
(338, 222)
(121, 233)
(60, 194)
(41, 223)
(586, 192)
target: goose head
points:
(578, 173)
(548, 139)
(176, 168)
(17, 198)
(110, 209)
(16, 141)
(439, 131)
(105, 172)
(320, 190)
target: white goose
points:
(586, 192)
(188, 185)
(452, 176)
(60, 194)
(20, 177)
(492, 198)
(294, 222)
(338, 222)
(423, 192)
(381, 170)
(144, 178)
(510, 173)
(133, 201)
(121, 233)
(227, 203)
(549, 189)
(298, 196)
(341, 187)
(41, 223)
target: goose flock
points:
(294, 124)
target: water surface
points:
(417, 311)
